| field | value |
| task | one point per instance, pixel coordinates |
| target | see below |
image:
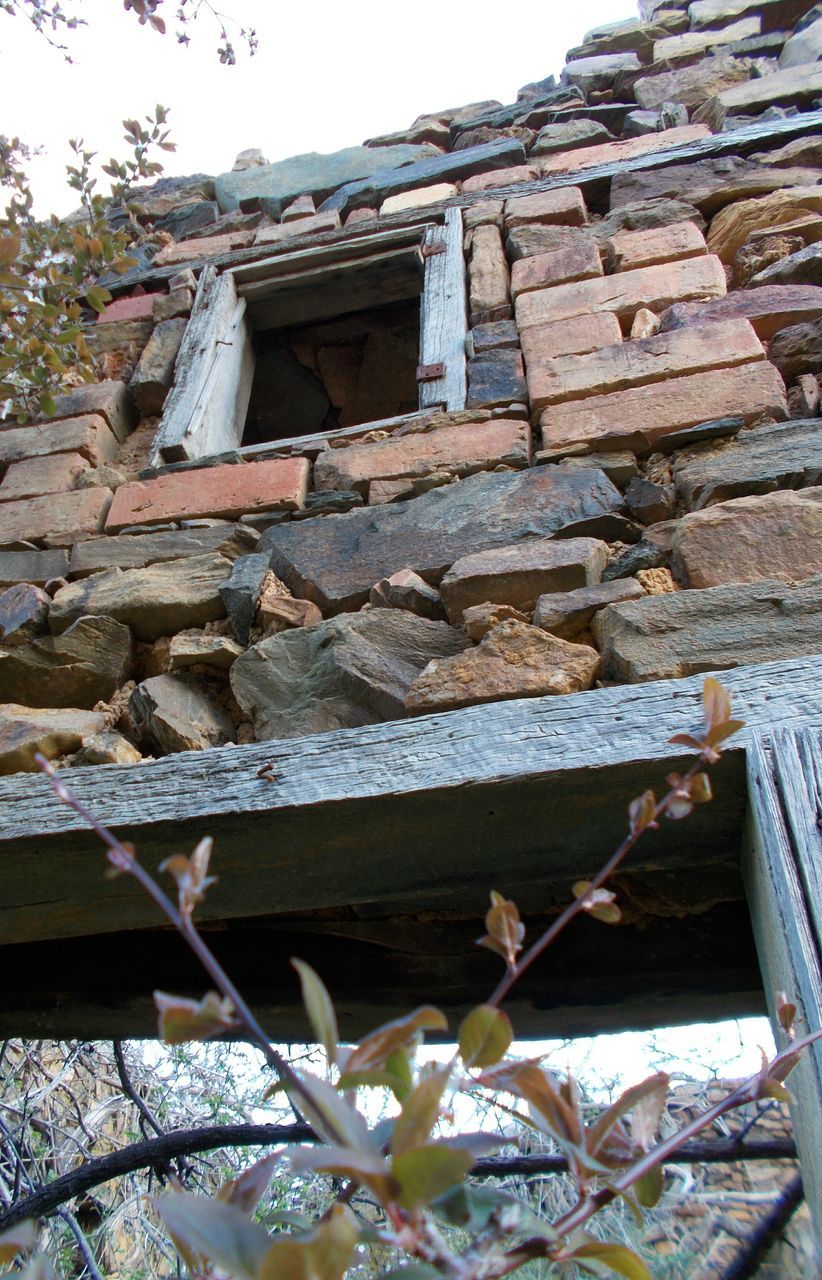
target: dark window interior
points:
(355, 368)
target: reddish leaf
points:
(246, 1190)
(420, 1111)
(786, 1013)
(17, 1239)
(182, 1020)
(191, 875)
(687, 740)
(599, 903)
(324, 1254)
(716, 703)
(505, 929)
(642, 812)
(374, 1051)
(722, 731)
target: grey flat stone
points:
(335, 561)
(177, 713)
(567, 613)
(241, 591)
(134, 551)
(787, 455)
(685, 633)
(38, 567)
(804, 267)
(274, 185)
(79, 668)
(345, 672)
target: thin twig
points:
(82, 1243)
(764, 1233)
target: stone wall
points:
(632, 490)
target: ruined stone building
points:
(421, 485)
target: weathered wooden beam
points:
(409, 812)
(324, 292)
(782, 859)
(444, 317)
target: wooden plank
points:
(214, 307)
(798, 763)
(444, 317)
(786, 940)
(219, 420)
(325, 292)
(405, 812)
(343, 248)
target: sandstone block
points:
(140, 307)
(711, 184)
(282, 612)
(580, 262)
(24, 611)
(733, 225)
(335, 561)
(749, 390)
(108, 748)
(155, 373)
(36, 567)
(576, 336)
(87, 435)
(479, 619)
(489, 295)
(418, 197)
(752, 539)
(407, 590)
(81, 667)
(34, 476)
(134, 550)
(565, 206)
(641, 361)
(692, 85)
(463, 448)
(770, 308)
(499, 178)
(596, 73)
(158, 600)
(278, 484)
(616, 152)
(496, 380)
(514, 660)
(206, 247)
(328, 221)
(774, 14)
(519, 574)
(177, 713)
(787, 455)
(670, 636)
(797, 348)
(59, 518)
(345, 672)
(695, 43)
(623, 294)
(195, 648)
(568, 613)
(571, 135)
(640, 215)
(111, 400)
(537, 237)
(793, 86)
(499, 335)
(629, 250)
(26, 730)
(802, 267)
(241, 591)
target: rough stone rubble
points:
(633, 489)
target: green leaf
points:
(367, 1167)
(616, 1256)
(318, 1007)
(649, 1188)
(248, 1188)
(324, 1254)
(485, 1036)
(412, 1127)
(330, 1115)
(220, 1233)
(97, 298)
(424, 1173)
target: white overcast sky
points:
(328, 75)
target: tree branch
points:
(765, 1232)
(140, 1155)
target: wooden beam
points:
(414, 813)
(444, 317)
(320, 293)
(782, 860)
(342, 249)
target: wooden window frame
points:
(204, 414)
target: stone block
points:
(496, 336)
(87, 435)
(204, 247)
(336, 561)
(640, 215)
(53, 732)
(37, 567)
(140, 307)
(304, 227)
(580, 261)
(692, 85)
(479, 619)
(81, 667)
(111, 400)
(568, 613)
(345, 672)
(407, 590)
(802, 267)
(513, 660)
(617, 152)
(241, 591)
(787, 455)
(774, 14)
(418, 197)
(517, 575)
(302, 207)
(59, 518)
(158, 600)
(499, 178)
(598, 72)
(797, 348)
(791, 87)
(489, 296)
(135, 550)
(689, 44)
(634, 364)
(570, 136)
(752, 539)
(631, 250)
(650, 412)
(201, 648)
(575, 336)
(769, 308)
(173, 305)
(56, 473)
(804, 46)
(231, 490)
(177, 713)
(686, 633)
(711, 184)
(154, 374)
(462, 449)
(565, 206)
(495, 380)
(733, 225)
(624, 294)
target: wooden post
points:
(443, 319)
(783, 876)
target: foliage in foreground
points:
(416, 1180)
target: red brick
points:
(633, 364)
(304, 226)
(55, 473)
(499, 178)
(575, 336)
(628, 250)
(611, 152)
(225, 491)
(139, 308)
(626, 292)
(580, 261)
(461, 448)
(86, 434)
(207, 247)
(60, 518)
(654, 410)
(563, 207)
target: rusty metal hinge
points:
(430, 372)
(431, 249)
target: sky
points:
(327, 76)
